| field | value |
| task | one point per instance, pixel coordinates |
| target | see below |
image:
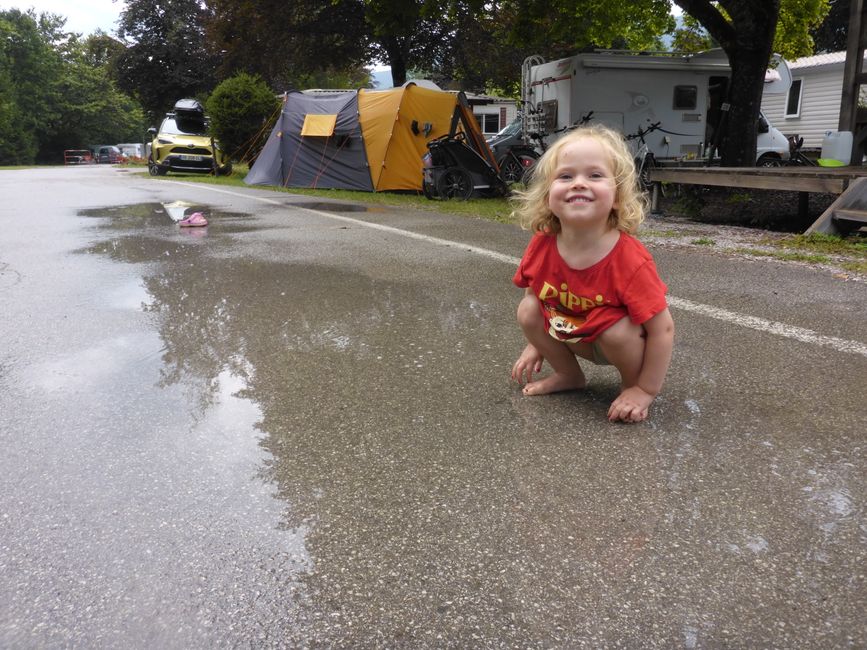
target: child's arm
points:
(632, 403)
(528, 363)
(531, 359)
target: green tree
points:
(29, 73)
(408, 33)
(53, 94)
(832, 34)
(566, 27)
(93, 111)
(101, 50)
(288, 43)
(796, 22)
(486, 43)
(745, 30)
(165, 57)
(241, 109)
(690, 36)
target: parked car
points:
(77, 157)
(183, 144)
(132, 149)
(109, 154)
(514, 156)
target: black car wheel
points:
(768, 160)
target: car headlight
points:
(163, 141)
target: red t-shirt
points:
(578, 305)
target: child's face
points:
(583, 191)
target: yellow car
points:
(183, 144)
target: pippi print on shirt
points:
(565, 324)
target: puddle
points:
(164, 217)
(336, 207)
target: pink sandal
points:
(195, 220)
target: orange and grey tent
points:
(371, 140)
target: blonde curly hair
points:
(531, 205)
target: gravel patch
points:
(744, 223)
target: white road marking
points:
(773, 327)
(752, 322)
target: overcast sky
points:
(83, 16)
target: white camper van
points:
(683, 93)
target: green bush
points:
(241, 109)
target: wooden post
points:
(803, 206)
(853, 75)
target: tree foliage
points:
(166, 57)
(241, 108)
(796, 22)
(290, 43)
(571, 25)
(481, 45)
(832, 34)
(53, 94)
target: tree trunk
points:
(738, 148)
(398, 71)
(396, 53)
(746, 36)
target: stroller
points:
(454, 169)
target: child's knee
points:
(529, 313)
(623, 334)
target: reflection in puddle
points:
(133, 295)
(201, 433)
(87, 369)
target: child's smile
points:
(583, 190)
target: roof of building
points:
(829, 58)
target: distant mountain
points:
(382, 79)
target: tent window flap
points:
(322, 125)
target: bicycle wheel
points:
(511, 170)
(514, 168)
(455, 183)
(643, 167)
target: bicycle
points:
(644, 159)
(540, 137)
(796, 156)
(528, 155)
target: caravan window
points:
(793, 100)
(685, 98)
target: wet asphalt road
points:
(293, 430)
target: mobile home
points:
(684, 93)
(811, 107)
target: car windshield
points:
(183, 127)
(513, 128)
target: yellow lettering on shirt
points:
(568, 299)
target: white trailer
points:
(685, 93)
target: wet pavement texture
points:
(288, 430)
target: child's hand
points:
(630, 406)
(529, 362)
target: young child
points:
(592, 290)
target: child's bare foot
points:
(555, 383)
